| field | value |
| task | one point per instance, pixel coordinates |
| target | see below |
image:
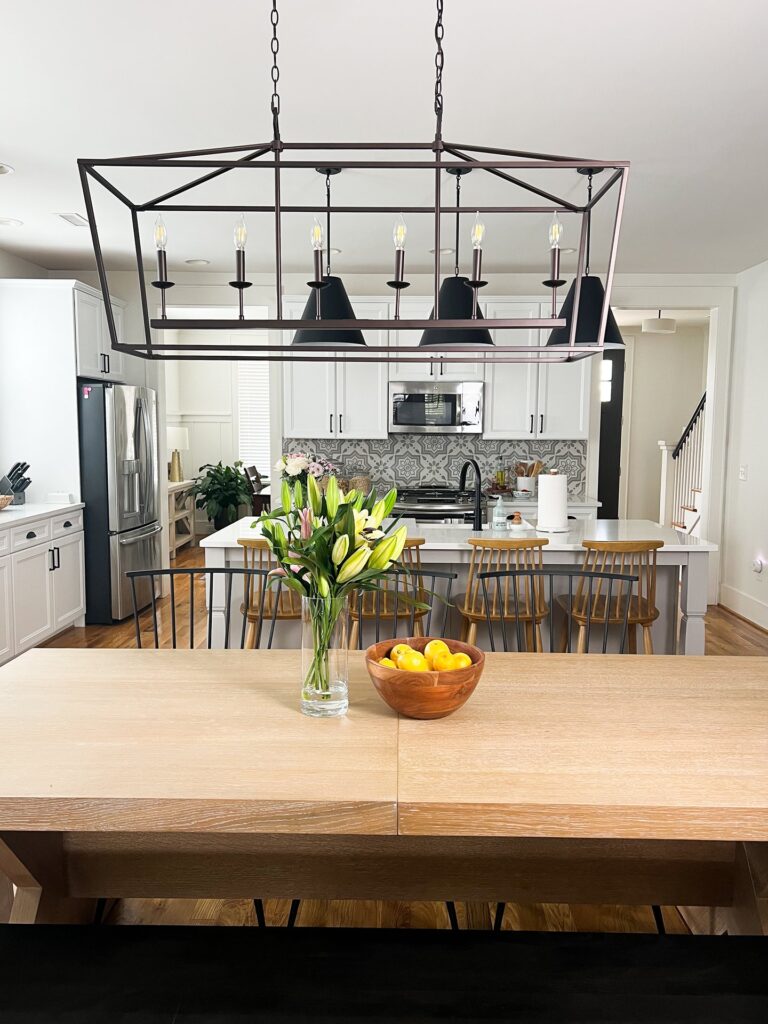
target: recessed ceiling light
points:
(6, 169)
(334, 252)
(75, 219)
(567, 250)
(10, 222)
(197, 263)
(443, 252)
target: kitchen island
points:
(681, 588)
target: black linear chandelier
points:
(329, 329)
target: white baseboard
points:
(744, 604)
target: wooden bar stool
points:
(380, 605)
(278, 603)
(624, 557)
(524, 599)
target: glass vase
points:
(324, 656)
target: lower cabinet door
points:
(68, 581)
(6, 611)
(32, 596)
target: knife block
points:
(19, 497)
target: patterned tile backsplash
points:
(413, 459)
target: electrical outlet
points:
(743, 472)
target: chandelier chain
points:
(439, 63)
(274, 46)
(589, 221)
(328, 224)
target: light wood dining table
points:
(566, 778)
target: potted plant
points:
(221, 490)
(328, 545)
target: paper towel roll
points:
(553, 502)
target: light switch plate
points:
(743, 472)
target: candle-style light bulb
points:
(399, 232)
(316, 236)
(161, 234)
(478, 232)
(241, 233)
(555, 232)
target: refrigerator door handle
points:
(148, 454)
(138, 537)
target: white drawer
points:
(29, 534)
(63, 525)
(5, 542)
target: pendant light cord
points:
(458, 204)
(274, 46)
(328, 225)
(589, 220)
(439, 62)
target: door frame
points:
(626, 423)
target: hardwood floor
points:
(726, 634)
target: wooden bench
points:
(52, 973)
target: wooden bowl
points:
(5, 500)
(424, 694)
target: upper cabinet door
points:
(361, 388)
(89, 312)
(564, 394)
(115, 361)
(412, 309)
(309, 391)
(511, 388)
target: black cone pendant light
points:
(457, 298)
(591, 301)
(328, 299)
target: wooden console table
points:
(181, 516)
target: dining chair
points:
(501, 555)
(167, 629)
(260, 502)
(391, 611)
(513, 597)
(595, 590)
(634, 558)
(278, 602)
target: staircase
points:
(681, 498)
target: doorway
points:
(611, 420)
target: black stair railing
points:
(691, 424)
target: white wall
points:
(15, 266)
(669, 373)
(746, 504)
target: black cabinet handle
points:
(58, 558)
(31, 535)
(52, 553)
(340, 417)
(541, 423)
(330, 423)
(531, 430)
(431, 368)
(67, 524)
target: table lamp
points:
(177, 440)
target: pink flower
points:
(305, 516)
(315, 469)
(278, 572)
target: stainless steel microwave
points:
(435, 407)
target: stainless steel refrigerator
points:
(119, 484)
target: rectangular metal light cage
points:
(274, 158)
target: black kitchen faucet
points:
(477, 515)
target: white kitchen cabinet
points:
(32, 596)
(95, 356)
(534, 401)
(342, 400)
(6, 610)
(68, 581)
(563, 396)
(511, 388)
(434, 367)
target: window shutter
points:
(253, 414)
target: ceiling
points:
(676, 88)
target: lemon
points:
(433, 648)
(387, 663)
(412, 661)
(398, 650)
(443, 661)
(461, 661)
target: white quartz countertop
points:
(14, 515)
(523, 503)
(455, 537)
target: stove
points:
(435, 504)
